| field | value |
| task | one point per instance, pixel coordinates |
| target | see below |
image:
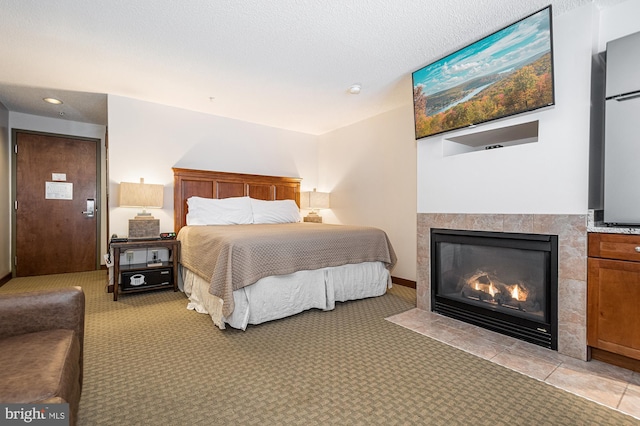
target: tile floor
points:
(606, 384)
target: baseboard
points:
(5, 279)
(615, 359)
(403, 282)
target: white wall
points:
(618, 21)
(370, 169)
(146, 140)
(5, 193)
(546, 177)
(36, 123)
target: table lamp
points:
(147, 196)
(314, 201)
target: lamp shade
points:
(141, 195)
(314, 200)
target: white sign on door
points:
(58, 191)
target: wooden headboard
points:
(209, 184)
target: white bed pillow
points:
(279, 211)
(224, 211)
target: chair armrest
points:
(22, 313)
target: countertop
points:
(595, 224)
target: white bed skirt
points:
(280, 296)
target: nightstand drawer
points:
(147, 278)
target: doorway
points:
(56, 189)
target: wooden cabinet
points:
(613, 295)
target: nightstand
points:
(141, 277)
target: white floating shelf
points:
(517, 134)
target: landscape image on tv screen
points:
(505, 73)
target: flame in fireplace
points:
(492, 289)
(518, 293)
(487, 288)
(482, 281)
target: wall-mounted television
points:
(508, 72)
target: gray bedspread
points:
(234, 256)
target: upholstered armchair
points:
(41, 347)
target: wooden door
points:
(55, 177)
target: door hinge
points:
(15, 205)
(15, 148)
(15, 261)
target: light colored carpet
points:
(150, 361)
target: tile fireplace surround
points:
(572, 263)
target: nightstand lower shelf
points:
(141, 277)
(145, 278)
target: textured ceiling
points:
(286, 64)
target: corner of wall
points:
(5, 193)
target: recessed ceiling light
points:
(355, 89)
(52, 101)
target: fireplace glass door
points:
(502, 281)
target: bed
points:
(247, 259)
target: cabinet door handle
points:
(637, 249)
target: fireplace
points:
(505, 282)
